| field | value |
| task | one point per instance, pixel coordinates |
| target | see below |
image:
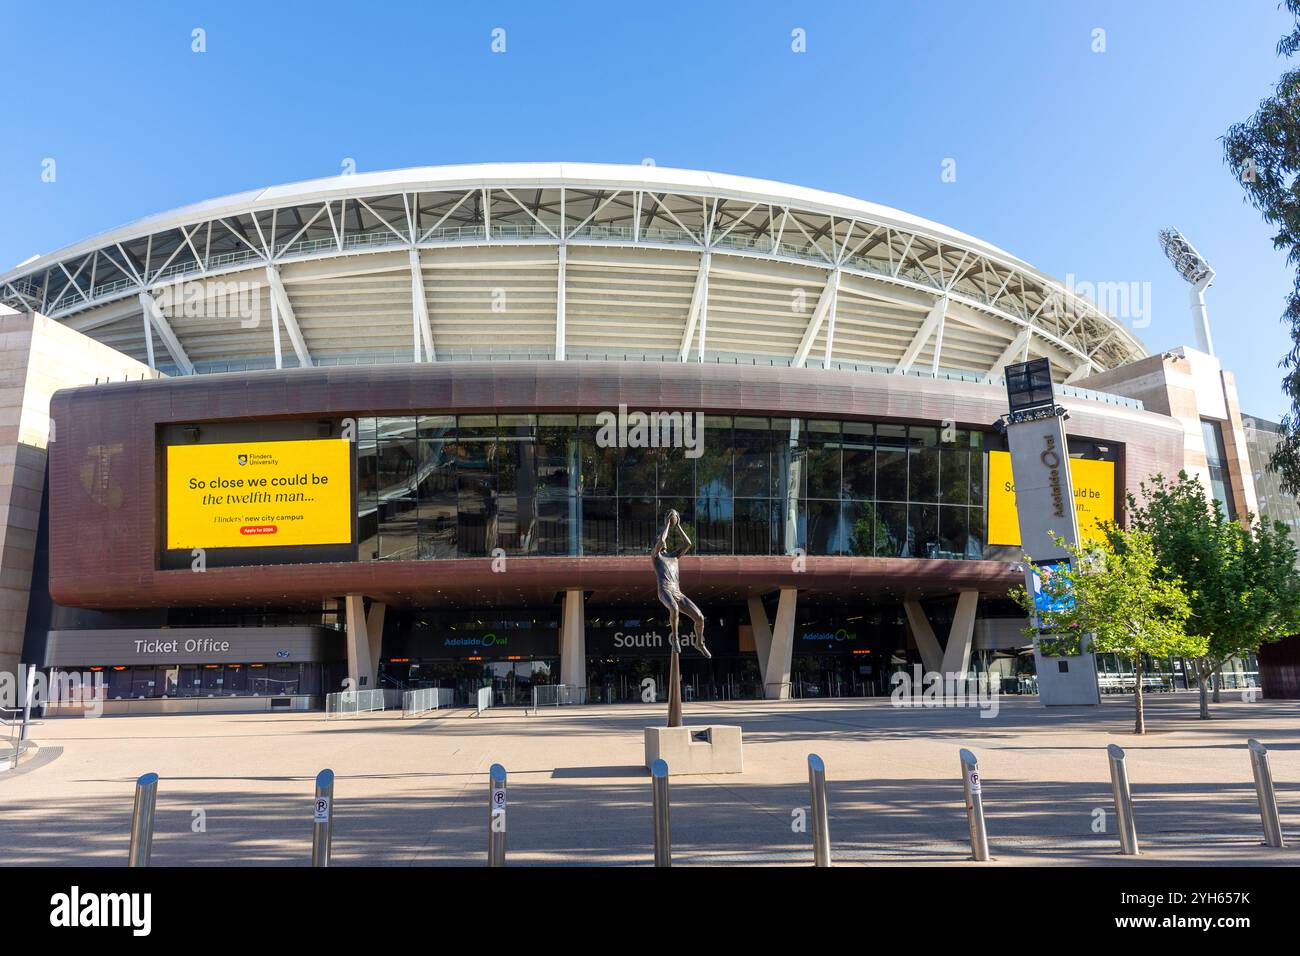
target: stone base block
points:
(695, 749)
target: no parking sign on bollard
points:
(497, 815)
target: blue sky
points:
(1069, 159)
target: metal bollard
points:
(663, 832)
(970, 782)
(1264, 792)
(820, 820)
(1128, 839)
(146, 796)
(497, 815)
(322, 830)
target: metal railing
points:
(425, 699)
(350, 702)
(483, 700)
(557, 695)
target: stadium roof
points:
(566, 260)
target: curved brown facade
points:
(105, 475)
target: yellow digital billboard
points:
(259, 494)
(1094, 497)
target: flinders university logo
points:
(75, 908)
(242, 459)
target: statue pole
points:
(675, 690)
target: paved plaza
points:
(414, 791)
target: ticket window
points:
(213, 680)
(191, 680)
(118, 681)
(144, 682)
(236, 680)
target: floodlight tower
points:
(1191, 265)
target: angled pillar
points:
(285, 309)
(573, 640)
(155, 318)
(923, 634)
(929, 326)
(956, 654)
(422, 333)
(762, 635)
(825, 307)
(698, 312)
(375, 635)
(776, 677)
(363, 668)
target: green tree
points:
(1118, 596)
(1264, 154)
(1240, 577)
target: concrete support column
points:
(573, 640)
(762, 635)
(363, 665)
(923, 634)
(375, 636)
(956, 655)
(776, 677)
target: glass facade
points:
(1217, 461)
(459, 486)
(1262, 439)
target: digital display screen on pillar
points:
(259, 494)
(1094, 498)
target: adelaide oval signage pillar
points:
(1040, 468)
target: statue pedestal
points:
(695, 749)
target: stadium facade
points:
(422, 427)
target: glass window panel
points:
(858, 468)
(822, 460)
(557, 455)
(923, 474)
(395, 429)
(891, 531)
(977, 468)
(516, 527)
(436, 477)
(637, 524)
(676, 473)
(752, 525)
(365, 429)
(713, 523)
(891, 463)
(599, 465)
(437, 528)
(975, 538)
(476, 526)
(599, 525)
(437, 427)
(923, 530)
(860, 520)
(558, 526)
(397, 529)
(786, 458)
(954, 474)
(752, 438)
(476, 427)
(952, 532)
(822, 527)
(713, 467)
(396, 467)
(637, 472)
(787, 529)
